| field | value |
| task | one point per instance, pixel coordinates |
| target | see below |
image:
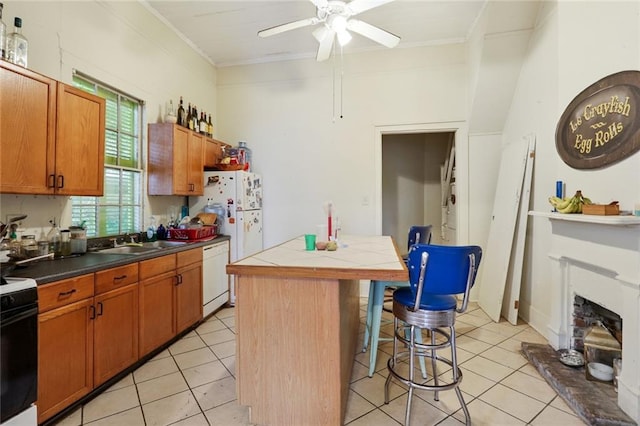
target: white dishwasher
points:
(215, 281)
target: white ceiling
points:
(225, 31)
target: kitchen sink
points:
(163, 244)
(128, 250)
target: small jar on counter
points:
(65, 242)
(28, 246)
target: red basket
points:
(192, 233)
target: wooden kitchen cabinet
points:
(213, 151)
(65, 344)
(51, 136)
(176, 160)
(116, 321)
(189, 289)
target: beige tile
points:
(109, 403)
(209, 326)
(224, 350)
(229, 321)
(219, 336)
(507, 358)
(486, 336)
(161, 387)
(195, 357)
(186, 344)
(228, 414)
(511, 344)
(486, 368)
(463, 328)
(530, 370)
(483, 414)
(450, 421)
(551, 416)
(528, 385)
(531, 336)
(447, 402)
(474, 384)
(153, 369)
(230, 363)
(357, 406)
(164, 354)
(205, 373)
(504, 328)
(376, 417)
(359, 371)
(560, 404)
(471, 345)
(216, 393)
(225, 313)
(474, 319)
(122, 383)
(372, 389)
(170, 409)
(197, 420)
(73, 419)
(420, 410)
(132, 417)
(512, 402)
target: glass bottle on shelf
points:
(3, 36)
(190, 118)
(203, 124)
(210, 127)
(182, 117)
(17, 45)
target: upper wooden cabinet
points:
(213, 152)
(51, 136)
(176, 160)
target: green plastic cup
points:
(310, 241)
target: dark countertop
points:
(48, 271)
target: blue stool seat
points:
(375, 303)
(437, 274)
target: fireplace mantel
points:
(598, 258)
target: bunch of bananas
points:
(570, 205)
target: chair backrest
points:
(448, 269)
(419, 235)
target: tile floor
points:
(193, 383)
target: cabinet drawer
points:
(64, 292)
(157, 266)
(188, 257)
(116, 277)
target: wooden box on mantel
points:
(601, 209)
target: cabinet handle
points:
(100, 308)
(67, 293)
(178, 279)
(92, 312)
(60, 182)
(121, 277)
(51, 181)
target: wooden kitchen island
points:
(297, 318)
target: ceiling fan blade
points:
(288, 27)
(359, 6)
(326, 43)
(320, 4)
(376, 34)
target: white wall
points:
(284, 111)
(121, 44)
(565, 57)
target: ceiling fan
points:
(336, 17)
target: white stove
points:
(16, 284)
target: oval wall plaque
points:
(601, 125)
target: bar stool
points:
(375, 304)
(437, 274)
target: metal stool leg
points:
(436, 396)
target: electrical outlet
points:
(365, 200)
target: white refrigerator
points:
(240, 194)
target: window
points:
(119, 210)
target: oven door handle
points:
(15, 317)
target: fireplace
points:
(598, 258)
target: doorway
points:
(410, 187)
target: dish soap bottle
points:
(54, 238)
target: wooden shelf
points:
(624, 220)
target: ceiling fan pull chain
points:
(341, 77)
(333, 90)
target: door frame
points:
(461, 141)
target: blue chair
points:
(437, 274)
(375, 304)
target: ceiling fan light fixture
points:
(337, 23)
(343, 37)
(320, 33)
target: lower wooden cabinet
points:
(93, 326)
(65, 345)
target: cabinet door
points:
(80, 134)
(27, 131)
(189, 296)
(196, 164)
(180, 161)
(212, 152)
(116, 332)
(157, 312)
(65, 356)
